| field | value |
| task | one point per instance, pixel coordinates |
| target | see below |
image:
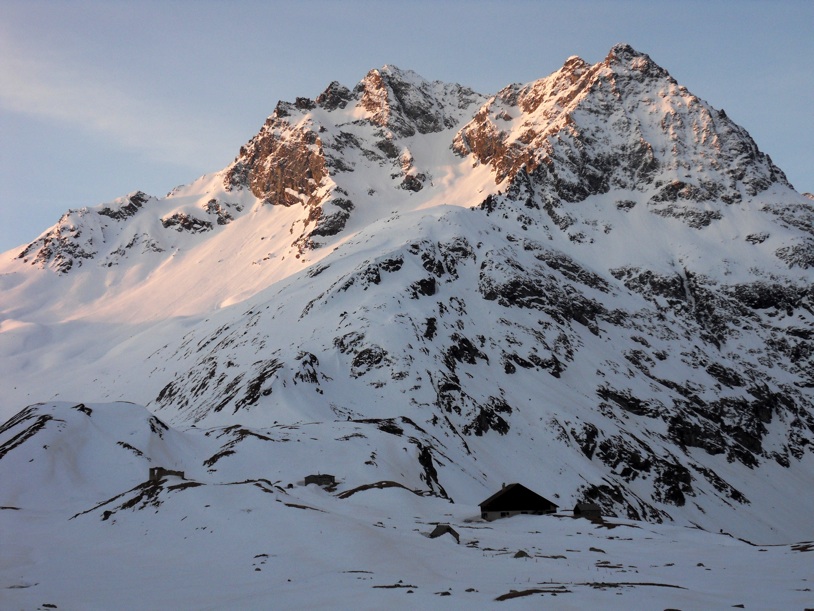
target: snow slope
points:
(85, 535)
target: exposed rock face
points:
(130, 226)
(128, 209)
(221, 211)
(294, 158)
(406, 104)
(79, 234)
(335, 96)
(624, 123)
(282, 165)
(184, 222)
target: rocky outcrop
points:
(295, 158)
(127, 208)
(284, 164)
(624, 123)
(184, 222)
(406, 104)
(79, 234)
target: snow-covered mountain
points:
(594, 283)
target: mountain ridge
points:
(597, 263)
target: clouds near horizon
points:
(90, 98)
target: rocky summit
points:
(594, 283)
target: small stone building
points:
(157, 473)
(320, 479)
(443, 529)
(590, 511)
(515, 499)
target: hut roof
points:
(516, 497)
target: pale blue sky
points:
(98, 99)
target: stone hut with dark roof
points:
(515, 499)
(590, 511)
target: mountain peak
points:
(335, 96)
(599, 127)
(402, 75)
(624, 56)
(575, 64)
(406, 103)
(623, 52)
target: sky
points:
(99, 99)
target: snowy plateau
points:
(594, 284)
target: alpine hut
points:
(514, 499)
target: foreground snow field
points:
(83, 528)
